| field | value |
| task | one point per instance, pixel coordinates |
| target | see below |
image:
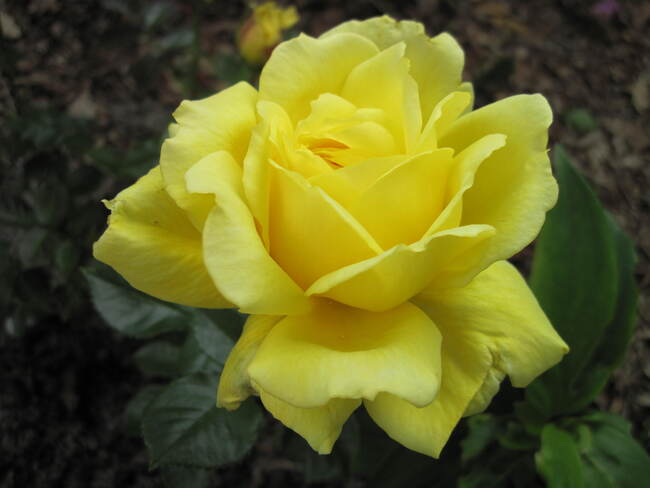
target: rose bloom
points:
(361, 212)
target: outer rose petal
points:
(498, 310)
(221, 122)
(514, 188)
(320, 426)
(426, 430)
(303, 68)
(234, 384)
(436, 63)
(233, 251)
(493, 325)
(152, 244)
(340, 352)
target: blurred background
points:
(86, 92)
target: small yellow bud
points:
(262, 31)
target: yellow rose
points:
(262, 31)
(361, 212)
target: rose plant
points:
(361, 212)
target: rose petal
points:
(301, 69)
(492, 326)
(340, 352)
(154, 246)
(514, 187)
(233, 251)
(221, 122)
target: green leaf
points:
(136, 407)
(207, 346)
(613, 458)
(66, 258)
(183, 426)
(129, 311)
(185, 477)
(212, 341)
(498, 468)
(232, 68)
(482, 430)
(581, 120)
(558, 460)
(131, 163)
(192, 359)
(156, 13)
(229, 320)
(618, 332)
(159, 358)
(580, 259)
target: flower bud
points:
(262, 31)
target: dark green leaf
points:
(613, 458)
(558, 460)
(192, 359)
(136, 407)
(482, 430)
(232, 68)
(131, 163)
(516, 438)
(30, 244)
(156, 13)
(581, 120)
(183, 426)
(185, 477)
(498, 468)
(178, 39)
(129, 311)
(49, 202)
(574, 276)
(211, 339)
(229, 320)
(618, 332)
(66, 258)
(158, 359)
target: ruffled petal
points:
(340, 352)
(234, 253)
(492, 327)
(426, 430)
(320, 426)
(395, 276)
(153, 245)
(514, 187)
(301, 69)
(234, 383)
(498, 310)
(222, 122)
